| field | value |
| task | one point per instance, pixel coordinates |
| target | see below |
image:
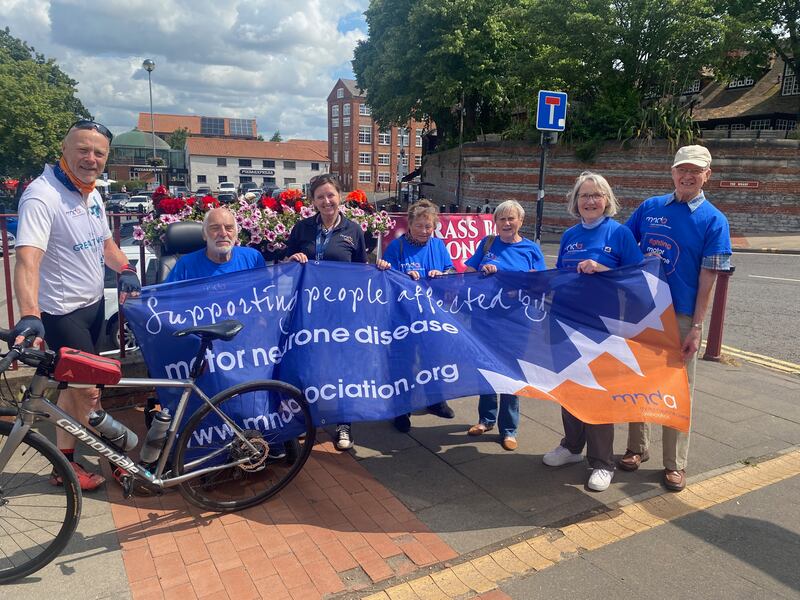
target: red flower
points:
(298, 205)
(269, 202)
(288, 196)
(209, 202)
(171, 206)
(190, 201)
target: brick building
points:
(363, 155)
(224, 127)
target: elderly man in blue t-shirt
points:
(691, 237)
(221, 254)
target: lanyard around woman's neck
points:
(324, 237)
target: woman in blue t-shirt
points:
(507, 251)
(418, 253)
(598, 243)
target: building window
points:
(384, 138)
(335, 123)
(403, 136)
(364, 110)
(335, 110)
(791, 85)
(365, 158)
(365, 135)
(340, 93)
(364, 177)
(738, 126)
(383, 159)
(336, 156)
(417, 161)
(347, 138)
(740, 82)
(269, 181)
(245, 162)
(268, 164)
(241, 127)
(315, 166)
(212, 126)
(785, 124)
(288, 180)
(418, 138)
(404, 158)
(693, 88)
(760, 124)
(347, 156)
(201, 179)
(289, 165)
(222, 162)
(222, 178)
(722, 127)
(245, 179)
(335, 139)
(345, 121)
(384, 177)
(346, 110)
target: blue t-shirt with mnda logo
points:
(609, 244)
(521, 256)
(681, 234)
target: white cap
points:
(249, 196)
(693, 155)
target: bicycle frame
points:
(35, 406)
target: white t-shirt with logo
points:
(72, 232)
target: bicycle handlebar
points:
(17, 349)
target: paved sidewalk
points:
(777, 243)
(422, 507)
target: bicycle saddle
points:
(224, 330)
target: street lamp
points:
(149, 64)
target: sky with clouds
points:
(275, 60)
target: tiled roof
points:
(291, 150)
(169, 123)
(350, 85)
(762, 98)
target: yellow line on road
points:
(767, 361)
(479, 575)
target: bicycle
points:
(221, 458)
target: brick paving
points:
(333, 529)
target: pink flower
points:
(280, 229)
(364, 226)
(138, 233)
(255, 239)
(270, 235)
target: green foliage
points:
(664, 120)
(37, 106)
(177, 139)
(276, 137)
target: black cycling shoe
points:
(403, 423)
(441, 410)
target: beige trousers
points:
(675, 443)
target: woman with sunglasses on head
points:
(328, 235)
(596, 244)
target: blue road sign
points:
(551, 113)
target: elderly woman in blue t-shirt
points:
(507, 251)
(598, 243)
(418, 253)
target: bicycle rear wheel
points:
(37, 519)
(275, 419)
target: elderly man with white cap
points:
(692, 238)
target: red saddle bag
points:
(77, 366)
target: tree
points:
(177, 139)
(276, 137)
(37, 106)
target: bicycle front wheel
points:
(37, 518)
(262, 431)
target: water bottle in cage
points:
(154, 441)
(112, 430)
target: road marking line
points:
(775, 278)
(761, 357)
(595, 532)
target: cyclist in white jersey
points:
(63, 245)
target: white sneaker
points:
(600, 479)
(343, 439)
(560, 456)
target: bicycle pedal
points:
(126, 481)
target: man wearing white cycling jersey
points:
(63, 246)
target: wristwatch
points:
(697, 325)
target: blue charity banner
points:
(364, 344)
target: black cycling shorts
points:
(79, 329)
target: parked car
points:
(116, 202)
(180, 191)
(203, 190)
(227, 197)
(109, 342)
(248, 186)
(227, 186)
(12, 243)
(268, 189)
(138, 204)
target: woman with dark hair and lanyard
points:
(328, 235)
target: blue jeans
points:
(509, 413)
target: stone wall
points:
(502, 170)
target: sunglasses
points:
(87, 124)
